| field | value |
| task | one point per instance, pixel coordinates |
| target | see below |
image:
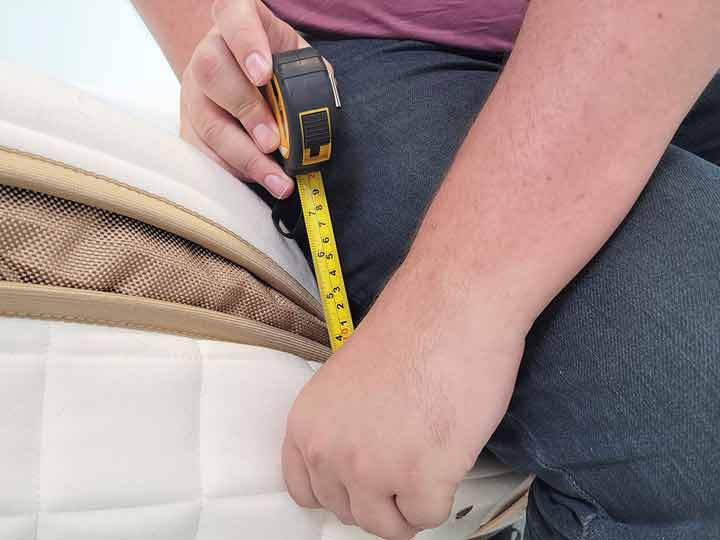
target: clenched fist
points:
(387, 429)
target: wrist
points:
(447, 300)
(467, 342)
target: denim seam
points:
(586, 525)
(573, 482)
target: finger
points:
(379, 515)
(242, 30)
(222, 80)
(224, 135)
(281, 36)
(187, 133)
(425, 509)
(296, 476)
(330, 492)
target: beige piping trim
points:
(23, 170)
(507, 513)
(107, 309)
(505, 519)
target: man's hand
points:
(222, 110)
(386, 430)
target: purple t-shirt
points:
(488, 25)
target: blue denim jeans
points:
(617, 405)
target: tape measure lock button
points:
(316, 136)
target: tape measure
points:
(304, 99)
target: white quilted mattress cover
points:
(108, 433)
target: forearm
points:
(586, 106)
(177, 25)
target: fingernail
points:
(267, 138)
(280, 187)
(257, 67)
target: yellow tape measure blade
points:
(326, 260)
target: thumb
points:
(281, 36)
(244, 33)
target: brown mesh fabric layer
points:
(46, 240)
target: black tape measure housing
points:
(308, 110)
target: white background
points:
(101, 46)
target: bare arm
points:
(178, 26)
(587, 104)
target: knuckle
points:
(252, 164)
(413, 476)
(430, 517)
(241, 39)
(211, 131)
(360, 466)
(186, 78)
(282, 33)
(205, 65)
(245, 109)
(315, 455)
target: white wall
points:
(101, 46)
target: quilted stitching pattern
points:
(109, 433)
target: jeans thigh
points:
(406, 109)
(617, 404)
